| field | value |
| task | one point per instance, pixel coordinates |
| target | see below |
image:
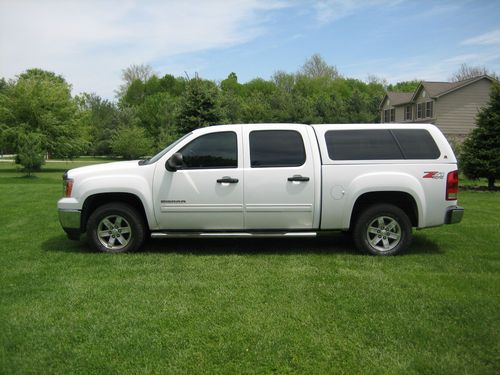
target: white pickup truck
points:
(260, 180)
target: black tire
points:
(382, 229)
(116, 228)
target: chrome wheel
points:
(383, 233)
(114, 232)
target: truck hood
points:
(105, 169)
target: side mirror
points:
(174, 163)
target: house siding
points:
(399, 111)
(456, 112)
(422, 98)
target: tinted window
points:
(216, 150)
(362, 145)
(383, 144)
(417, 144)
(276, 148)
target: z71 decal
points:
(434, 174)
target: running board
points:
(230, 234)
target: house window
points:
(408, 113)
(420, 110)
(389, 115)
(428, 109)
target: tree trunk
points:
(491, 183)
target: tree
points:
(141, 72)
(466, 71)
(158, 115)
(404, 86)
(135, 93)
(481, 150)
(42, 101)
(99, 119)
(284, 81)
(199, 105)
(30, 153)
(315, 66)
(131, 143)
(175, 86)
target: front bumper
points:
(70, 221)
(454, 215)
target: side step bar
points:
(230, 234)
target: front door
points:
(207, 192)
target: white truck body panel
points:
(192, 199)
(273, 202)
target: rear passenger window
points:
(383, 144)
(417, 144)
(276, 148)
(370, 144)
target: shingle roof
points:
(398, 98)
(436, 89)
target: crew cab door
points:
(280, 178)
(207, 192)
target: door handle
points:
(227, 180)
(298, 177)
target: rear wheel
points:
(382, 229)
(116, 228)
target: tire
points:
(116, 228)
(382, 229)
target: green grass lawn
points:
(244, 306)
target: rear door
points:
(279, 187)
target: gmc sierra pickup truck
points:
(377, 181)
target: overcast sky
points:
(90, 42)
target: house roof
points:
(398, 98)
(434, 89)
(437, 89)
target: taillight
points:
(452, 186)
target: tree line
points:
(39, 118)
(152, 110)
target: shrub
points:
(30, 153)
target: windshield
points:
(158, 156)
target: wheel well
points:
(94, 201)
(402, 200)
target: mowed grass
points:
(244, 306)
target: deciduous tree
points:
(42, 101)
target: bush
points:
(30, 153)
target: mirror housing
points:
(174, 163)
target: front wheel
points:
(382, 229)
(116, 228)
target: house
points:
(451, 106)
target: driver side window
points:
(211, 151)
